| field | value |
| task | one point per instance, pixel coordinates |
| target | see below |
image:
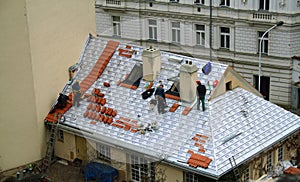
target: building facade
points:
(182, 26)
(39, 41)
(133, 166)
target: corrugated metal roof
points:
(237, 123)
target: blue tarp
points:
(100, 172)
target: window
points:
(61, 135)
(264, 43)
(200, 35)
(103, 152)
(152, 29)
(225, 3)
(269, 161)
(191, 177)
(264, 4)
(225, 37)
(280, 153)
(199, 2)
(229, 86)
(174, 1)
(116, 25)
(141, 169)
(176, 32)
(246, 176)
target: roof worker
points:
(161, 99)
(76, 93)
(201, 92)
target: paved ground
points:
(57, 172)
(65, 173)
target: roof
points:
(237, 123)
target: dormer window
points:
(229, 86)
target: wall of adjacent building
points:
(168, 173)
(39, 40)
(66, 148)
(244, 28)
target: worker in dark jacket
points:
(201, 92)
(76, 93)
(161, 99)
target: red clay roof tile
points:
(169, 96)
(292, 170)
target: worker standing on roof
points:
(161, 99)
(76, 93)
(201, 92)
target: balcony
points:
(263, 16)
(113, 2)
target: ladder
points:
(235, 169)
(50, 144)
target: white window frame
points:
(191, 177)
(225, 38)
(269, 161)
(116, 26)
(60, 136)
(152, 29)
(266, 5)
(199, 1)
(225, 3)
(175, 32)
(139, 167)
(264, 44)
(200, 35)
(103, 152)
(280, 153)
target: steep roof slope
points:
(237, 123)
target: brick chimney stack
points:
(151, 63)
(188, 77)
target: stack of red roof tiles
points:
(96, 109)
(174, 107)
(59, 112)
(198, 160)
(90, 79)
(99, 66)
(199, 140)
(292, 170)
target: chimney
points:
(188, 77)
(151, 63)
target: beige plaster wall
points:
(63, 149)
(39, 40)
(168, 173)
(18, 128)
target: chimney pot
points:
(186, 62)
(190, 62)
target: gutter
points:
(109, 141)
(173, 164)
(127, 147)
(262, 151)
